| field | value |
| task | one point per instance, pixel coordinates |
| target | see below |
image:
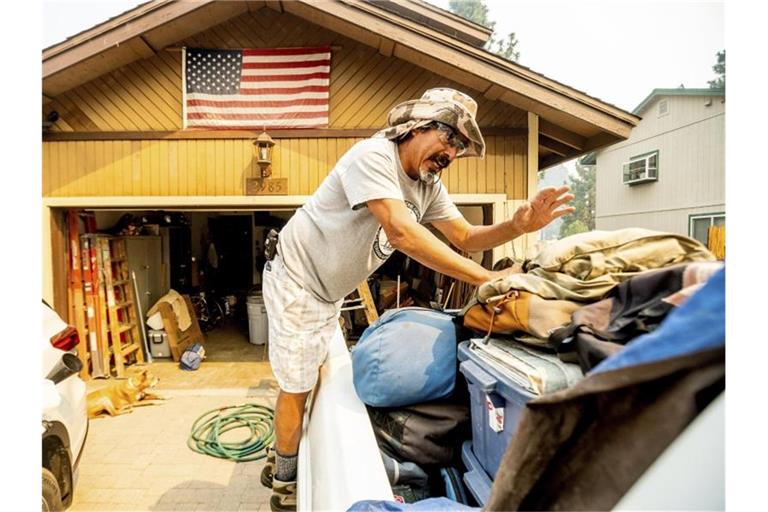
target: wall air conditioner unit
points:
(641, 169)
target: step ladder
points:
(121, 309)
(75, 294)
(93, 307)
(364, 300)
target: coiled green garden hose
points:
(207, 430)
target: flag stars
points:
(213, 71)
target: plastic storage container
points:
(258, 328)
(158, 343)
(496, 406)
(477, 480)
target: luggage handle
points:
(485, 380)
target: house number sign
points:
(266, 186)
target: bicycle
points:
(209, 313)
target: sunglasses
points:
(449, 136)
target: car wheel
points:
(51, 493)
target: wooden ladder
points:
(76, 296)
(363, 301)
(97, 343)
(121, 307)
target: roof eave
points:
(441, 20)
(656, 93)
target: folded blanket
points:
(586, 266)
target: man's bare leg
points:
(289, 417)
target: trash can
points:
(257, 319)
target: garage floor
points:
(140, 461)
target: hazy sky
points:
(65, 18)
(614, 50)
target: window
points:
(641, 168)
(698, 225)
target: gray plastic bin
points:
(258, 327)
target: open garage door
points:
(214, 245)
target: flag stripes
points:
(256, 88)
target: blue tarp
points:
(424, 505)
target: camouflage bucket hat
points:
(448, 106)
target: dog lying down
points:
(119, 397)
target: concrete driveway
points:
(140, 461)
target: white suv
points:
(65, 418)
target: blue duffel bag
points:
(406, 357)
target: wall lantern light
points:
(262, 147)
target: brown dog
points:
(120, 397)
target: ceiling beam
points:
(493, 92)
(554, 146)
(386, 46)
(142, 47)
(562, 135)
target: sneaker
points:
(283, 496)
(269, 468)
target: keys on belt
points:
(270, 245)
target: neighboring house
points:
(553, 177)
(114, 140)
(669, 175)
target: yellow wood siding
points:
(146, 96)
(219, 167)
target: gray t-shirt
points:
(333, 243)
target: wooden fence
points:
(716, 241)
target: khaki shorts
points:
(300, 329)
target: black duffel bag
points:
(429, 434)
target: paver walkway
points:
(140, 461)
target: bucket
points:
(258, 329)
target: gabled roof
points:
(570, 121)
(681, 91)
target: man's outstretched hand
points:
(542, 209)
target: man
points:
(374, 201)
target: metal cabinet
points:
(145, 260)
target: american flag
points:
(256, 88)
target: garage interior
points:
(219, 254)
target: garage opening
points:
(215, 256)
